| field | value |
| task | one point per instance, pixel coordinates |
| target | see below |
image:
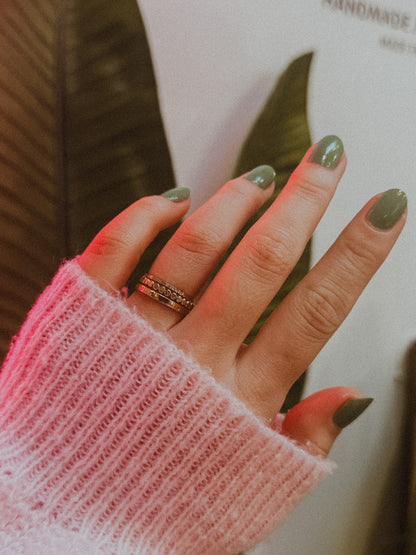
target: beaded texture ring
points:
(165, 293)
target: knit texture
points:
(114, 441)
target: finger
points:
(268, 252)
(192, 253)
(298, 329)
(115, 251)
(317, 421)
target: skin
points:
(260, 374)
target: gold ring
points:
(165, 293)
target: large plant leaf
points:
(28, 147)
(116, 150)
(280, 137)
(81, 136)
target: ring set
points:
(165, 293)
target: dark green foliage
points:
(81, 136)
(280, 138)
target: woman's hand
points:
(213, 332)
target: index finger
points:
(309, 315)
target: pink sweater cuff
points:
(112, 434)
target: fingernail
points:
(263, 176)
(350, 411)
(328, 152)
(178, 194)
(387, 209)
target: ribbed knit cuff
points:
(112, 432)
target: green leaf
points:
(81, 137)
(116, 149)
(280, 138)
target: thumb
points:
(317, 420)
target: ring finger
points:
(192, 253)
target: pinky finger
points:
(114, 253)
(317, 421)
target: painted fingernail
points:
(328, 152)
(387, 209)
(350, 411)
(263, 176)
(178, 194)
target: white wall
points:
(216, 62)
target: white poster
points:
(216, 62)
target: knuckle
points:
(194, 240)
(270, 256)
(109, 243)
(311, 187)
(358, 257)
(148, 208)
(234, 186)
(241, 188)
(323, 309)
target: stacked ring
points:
(165, 293)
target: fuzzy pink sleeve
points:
(114, 441)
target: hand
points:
(213, 332)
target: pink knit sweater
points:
(114, 441)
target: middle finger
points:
(259, 265)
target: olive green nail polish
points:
(387, 209)
(350, 411)
(328, 152)
(178, 194)
(263, 176)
